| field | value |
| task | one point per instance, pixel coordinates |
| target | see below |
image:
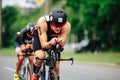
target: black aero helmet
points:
(30, 27)
(58, 16)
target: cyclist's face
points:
(57, 27)
(29, 36)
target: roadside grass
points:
(101, 57)
(88, 57)
(7, 52)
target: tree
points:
(9, 16)
(108, 23)
(0, 23)
(97, 16)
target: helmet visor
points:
(57, 24)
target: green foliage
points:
(100, 17)
(23, 20)
(109, 22)
(16, 21)
(9, 16)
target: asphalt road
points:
(67, 72)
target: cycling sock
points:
(58, 77)
(36, 68)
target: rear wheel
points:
(28, 72)
(27, 75)
(52, 76)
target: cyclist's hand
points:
(58, 46)
(28, 46)
(60, 41)
(53, 41)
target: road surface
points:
(67, 72)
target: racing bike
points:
(54, 54)
(26, 69)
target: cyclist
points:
(22, 42)
(53, 28)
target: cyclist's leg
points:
(56, 69)
(30, 57)
(19, 62)
(38, 53)
(37, 63)
(31, 64)
(31, 60)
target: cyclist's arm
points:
(22, 45)
(21, 38)
(42, 32)
(65, 32)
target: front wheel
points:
(25, 72)
(22, 71)
(52, 76)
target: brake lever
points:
(72, 60)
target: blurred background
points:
(95, 23)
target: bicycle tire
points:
(52, 76)
(28, 72)
(21, 75)
(25, 71)
(42, 77)
(22, 71)
(42, 73)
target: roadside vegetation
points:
(90, 16)
(110, 58)
(7, 52)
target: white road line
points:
(10, 69)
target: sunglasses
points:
(57, 24)
(29, 35)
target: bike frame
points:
(53, 56)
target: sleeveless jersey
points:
(50, 33)
(23, 39)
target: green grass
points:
(7, 52)
(101, 57)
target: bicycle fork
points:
(27, 69)
(43, 76)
